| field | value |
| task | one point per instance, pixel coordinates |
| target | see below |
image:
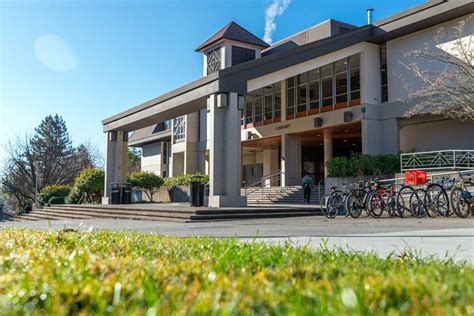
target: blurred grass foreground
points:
(82, 273)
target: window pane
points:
(277, 87)
(267, 90)
(326, 71)
(341, 83)
(355, 95)
(354, 61)
(290, 82)
(301, 95)
(355, 80)
(327, 88)
(313, 75)
(340, 66)
(277, 101)
(258, 109)
(301, 79)
(314, 94)
(241, 55)
(341, 98)
(257, 93)
(268, 107)
(248, 109)
(291, 97)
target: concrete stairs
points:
(281, 195)
(166, 212)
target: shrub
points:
(147, 182)
(184, 179)
(60, 191)
(88, 187)
(363, 165)
(57, 200)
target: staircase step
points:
(250, 215)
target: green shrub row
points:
(53, 193)
(185, 179)
(363, 165)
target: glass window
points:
(341, 81)
(355, 77)
(248, 109)
(313, 75)
(290, 97)
(314, 95)
(258, 109)
(301, 79)
(164, 154)
(326, 79)
(277, 104)
(268, 107)
(301, 95)
(179, 126)
(277, 87)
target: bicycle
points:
(437, 197)
(462, 199)
(333, 203)
(382, 199)
(357, 199)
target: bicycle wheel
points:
(353, 204)
(334, 204)
(461, 202)
(403, 200)
(417, 203)
(376, 204)
(437, 200)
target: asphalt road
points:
(439, 237)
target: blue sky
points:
(87, 60)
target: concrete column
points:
(327, 152)
(115, 161)
(270, 164)
(225, 151)
(391, 136)
(370, 78)
(290, 160)
(371, 137)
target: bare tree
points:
(46, 158)
(448, 86)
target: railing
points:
(437, 160)
(431, 176)
(263, 181)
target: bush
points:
(363, 165)
(57, 200)
(59, 191)
(88, 187)
(184, 179)
(147, 182)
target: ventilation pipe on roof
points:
(370, 18)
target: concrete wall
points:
(400, 75)
(436, 135)
(151, 158)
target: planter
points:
(340, 182)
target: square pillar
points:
(328, 150)
(116, 144)
(290, 160)
(371, 137)
(225, 151)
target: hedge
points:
(57, 200)
(184, 179)
(363, 165)
(59, 191)
(147, 182)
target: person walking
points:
(307, 184)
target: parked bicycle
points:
(461, 198)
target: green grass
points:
(132, 273)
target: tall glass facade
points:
(262, 106)
(327, 88)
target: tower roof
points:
(235, 32)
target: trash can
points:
(115, 193)
(126, 193)
(196, 188)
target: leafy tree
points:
(146, 181)
(134, 160)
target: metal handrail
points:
(260, 183)
(437, 160)
(431, 176)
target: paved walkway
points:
(438, 237)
